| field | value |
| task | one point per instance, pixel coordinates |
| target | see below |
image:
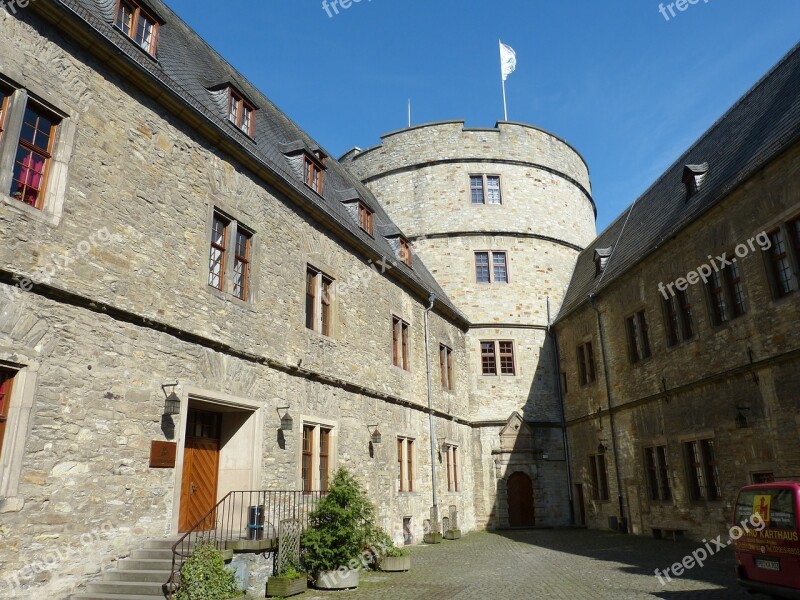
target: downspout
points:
(592, 298)
(431, 424)
(557, 357)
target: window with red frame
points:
(6, 379)
(405, 252)
(34, 153)
(137, 24)
(312, 174)
(365, 218)
(241, 263)
(241, 113)
(3, 109)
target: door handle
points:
(192, 489)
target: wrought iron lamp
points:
(172, 404)
(287, 422)
(376, 435)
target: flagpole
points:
(505, 108)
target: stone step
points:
(153, 554)
(131, 575)
(101, 596)
(162, 544)
(144, 564)
(135, 588)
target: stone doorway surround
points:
(241, 446)
(517, 454)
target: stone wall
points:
(122, 306)
(696, 389)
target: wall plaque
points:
(162, 455)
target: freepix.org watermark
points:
(668, 10)
(699, 557)
(12, 6)
(715, 265)
(332, 7)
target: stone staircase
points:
(140, 577)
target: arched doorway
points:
(520, 501)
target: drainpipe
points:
(431, 424)
(592, 298)
(557, 358)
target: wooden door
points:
(200, 470)
(520, 501)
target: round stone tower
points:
(498, 216)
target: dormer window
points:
(365, 218)
(601, 256)
(241, 112)
(135, 22)
(312, 173)
(693, 178)
(405, 252)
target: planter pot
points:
(344, 579)
(395, 564)
(283, 587)
(432, 538)
(453, 534)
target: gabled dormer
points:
(601, 257)
(308, 163)
(402, 249)
(139, 23)
(693, 178)
(236, 108)
(359, 210)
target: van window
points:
(776, 507)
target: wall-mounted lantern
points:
(172, 404)
(287, 423)
(376, 435)
(601, 448)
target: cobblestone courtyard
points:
(571, 564)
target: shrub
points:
(341, 524)
(204, 576)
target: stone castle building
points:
(679, 332)
(499, 216)
(183, 270)
(182, 267)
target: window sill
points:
(235, 127)
(135, 45)
(401, 369)
(228, 297)
(319, 335)
(36, 214)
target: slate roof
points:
(762, 124)
(191, 68)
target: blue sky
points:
(628, 88)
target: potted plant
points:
(392, 559)
(292, 580)
(341, 522)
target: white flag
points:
(508, 60)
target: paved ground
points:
(568, 564)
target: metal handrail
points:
(229, 523)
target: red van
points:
(768, 556)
